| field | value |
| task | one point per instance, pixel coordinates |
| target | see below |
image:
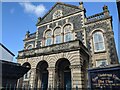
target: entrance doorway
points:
(42, 75)
(63, 74)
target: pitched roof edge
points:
(7, 49)
(54, 6)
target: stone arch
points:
(60, 60)
(95, 30)
(68, 23)
(29, 45)
(41, 80)
(26, 64)
(47, 30)
(63, 74)
(58, 26)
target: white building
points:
(5, 54)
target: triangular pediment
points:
(65, 8)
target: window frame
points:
(68, 32)
(98, 42)
(48, 37)
(57, 34)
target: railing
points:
(95, 17)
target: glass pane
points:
(101, 46)
(48, 41)
(98, 41)
(100, 38)
(68, 37)
(95, 38)
(58, 39)
(97, 47)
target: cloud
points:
(37, 10)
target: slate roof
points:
(58, 3)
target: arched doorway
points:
(63, 74)
(42, 75)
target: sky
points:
(19, 17)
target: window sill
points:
(96, 52)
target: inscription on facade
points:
(106, 79)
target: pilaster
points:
(76, 78)
(32, 78)
(51, 78)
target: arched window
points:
(68, 33)
(29, 47)
(98, 40)
(57, 35)
(48, 38)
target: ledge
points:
(52, 49)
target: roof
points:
(12, 70)
(6, 49)
(60, 3)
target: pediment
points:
(58, 10)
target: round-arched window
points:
(98, 41)
(48, 37)
(57, 35)
(68, 33)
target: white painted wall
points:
(5, 55)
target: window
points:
(58, 39)
(68, 33)
(29, 47)
(48, 38)
(48, 41)
(98, 41)
(57, 35)
(101, 63)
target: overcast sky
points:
(17, 18)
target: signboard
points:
(104, 78)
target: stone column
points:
(76, 76)
(32, 78)
(51, 78)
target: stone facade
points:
(71, 58)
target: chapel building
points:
(65, 45)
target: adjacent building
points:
(65, 45)
(10, 72)
(5, 54)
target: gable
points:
(65, 8)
